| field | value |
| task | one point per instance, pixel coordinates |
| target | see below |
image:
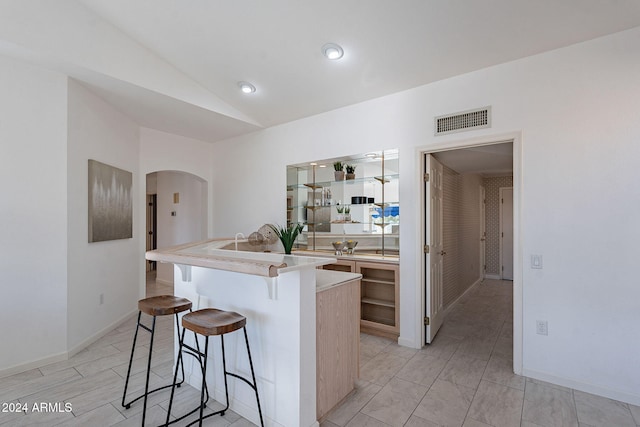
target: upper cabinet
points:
(352, 198)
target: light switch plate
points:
(536, 261)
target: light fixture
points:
(323, 166)
(246, 87)
(332, 51)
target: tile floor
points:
(463, 379)
(92, 382)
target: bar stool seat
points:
(164, 305)
(211, 322)
(161, 305)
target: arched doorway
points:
(176, 213)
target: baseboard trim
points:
(24, 367)
(164, 282)
(622, 396)
(493, 276)
(407, 343)
(453, 304)
(104, 331)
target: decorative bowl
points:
(338, 246)
(351, 245)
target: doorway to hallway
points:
(462, 213)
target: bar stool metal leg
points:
(211, 322)
(146, 384)
(180, 362)
(133, 349)
(204, 380)
(146, 393)
(253, 376)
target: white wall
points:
(469, 243)
(112, 268)
(577, 111)
(461, 228)
(161, 151)
(33, 248)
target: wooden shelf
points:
(380, 296)
(381, 179)
(380, 281)
(314, 186)
(374, 301)
(378, 319)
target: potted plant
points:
(347, 214)
(351, 171)
(287, 235)
(338, 172)
(340, 210)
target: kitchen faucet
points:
(239, 234)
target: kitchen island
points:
(277, 295)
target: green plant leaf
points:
(287, 235)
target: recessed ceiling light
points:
(323, 166)
(246, 87)
(332, 51)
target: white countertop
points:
(326, 279)
(208, 254)
(388, 259)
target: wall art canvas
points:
(110, 203)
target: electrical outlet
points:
(101, 299)
(542, 328)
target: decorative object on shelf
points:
(351, 246)
(256, 239)
(340, 210)
(269, 236)
(338, 171)
(287, 235)
(351, 171)
(347, 214)
(339, 247)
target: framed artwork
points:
(110, 203)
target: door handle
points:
(443, 253)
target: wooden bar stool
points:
(162, 305)
(209, 322)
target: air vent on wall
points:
(466, 120)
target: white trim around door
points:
(516, 139)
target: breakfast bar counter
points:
(277, 295)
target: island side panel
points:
(337, 343)
(282, 335)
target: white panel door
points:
(506, 233)
(434, 256)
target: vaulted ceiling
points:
(175, 65)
